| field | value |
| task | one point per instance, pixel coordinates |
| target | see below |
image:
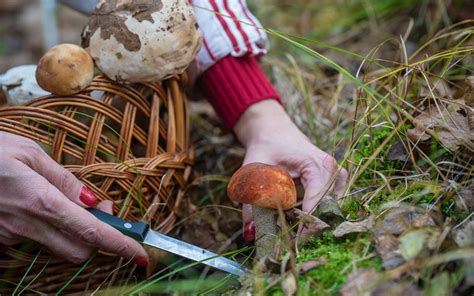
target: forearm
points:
(263, 121)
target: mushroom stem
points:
(266, 231)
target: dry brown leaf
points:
(464, 198)
(289, 285)
(361, 282)
(400, 219)
(393, 224)
(352, 227)
(311, 264)
(387, 247)
(466, 91)
(397, 151)
(452, 123)
(440, 89)
(312, 224)
(329, 210)
(393, 288)
(464, 237)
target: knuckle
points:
(330, 163)
(122, 247)
(79, 256)
(66, 179)
(90, 235)
(45, 202)
(31, 148)
(31, 152)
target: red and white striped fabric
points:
(228, 28)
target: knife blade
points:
(142, 233)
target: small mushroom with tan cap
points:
(65, 69)
(266, 188)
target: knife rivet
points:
(127, 225)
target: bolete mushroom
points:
(266, 188)
(65, 69)
(142, 40)
(18, 86)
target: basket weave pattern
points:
(129, 144)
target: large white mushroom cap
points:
(142, 40)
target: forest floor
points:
(385, 86)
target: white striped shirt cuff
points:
(228, 28)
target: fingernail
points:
(141, 261)
(88, 197)
(249, 231)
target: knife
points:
(142, 233)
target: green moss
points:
(366, 148)
(351, 207)
(448, 209)
(342, 256)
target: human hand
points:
(42, 201)
(270, 137)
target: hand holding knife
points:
(142, 233)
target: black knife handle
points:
(135, 230)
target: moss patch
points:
(342, 255)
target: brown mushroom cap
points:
(263, 185)
(65, 69)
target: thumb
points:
(62, 179)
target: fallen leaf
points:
(394, 288)
(411, 243)
(452, 123)
(312, 225)
(398, 220)
(289, 285)
(387, 247)
(464, 237)
(397, 151)
(394, 223)
(440, 89)
(466, 91)
(311, 264)
(464, 198)
(328, 209)
(361, 282)
(352, 227)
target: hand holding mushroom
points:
(270, 137)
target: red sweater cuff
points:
(234, 84)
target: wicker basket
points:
(129, 144)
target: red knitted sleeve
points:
(234, 84)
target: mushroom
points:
(65, 69)
(266, 188)
(18, 86)
(142, 41)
